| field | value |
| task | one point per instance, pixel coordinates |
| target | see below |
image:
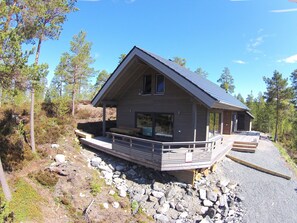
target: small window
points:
(160, 84)
(147, 84)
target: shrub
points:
(46, 178)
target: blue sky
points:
(250, 37)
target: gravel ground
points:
(266, 198)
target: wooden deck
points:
(163, 156)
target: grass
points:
(286, 156)
(96, 184)
(26, 202)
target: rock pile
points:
(161, 196)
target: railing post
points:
(153, 151)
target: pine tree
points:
(180, 61)
(227, 81)
(201, 72)
(76, 64)
(278, 94)
(45, 19)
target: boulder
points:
(164, 208)
(206, 220)
(223, 182)
(212, 196)
(120, 167)
(179, 207)
(161, 218)
(158, 186)
(55, 146)
(211, 212)
(157, 194)
(60, 158)
(202, 194)
(95, 161)
(184, 214)
(207, 203)
(122, 193)
(105, 205)
(116, 205)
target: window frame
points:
(212, 126)
(144, 84)
(154, 115)
(156, 84)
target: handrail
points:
(133, 137)
(213, 140)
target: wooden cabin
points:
(168, 117)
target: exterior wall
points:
(247, 123)
(227, 117)
(174, 100)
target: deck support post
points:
(104, 120)
(194, 109)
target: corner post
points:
(104, 120)
(194, 110)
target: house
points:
(168, 117)
(169, 102)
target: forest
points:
(35, 111)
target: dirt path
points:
(267, 198)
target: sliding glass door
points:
(158, 126)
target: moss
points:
(134, 207)
(46, 178)
(26, 202)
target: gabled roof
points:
(205, 91)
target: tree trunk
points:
(32, 121)
(73, 102)
(4, 184)
(32, 133)
(277, 120)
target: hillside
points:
(67, 182)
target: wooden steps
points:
(82, 134)
(247, 147)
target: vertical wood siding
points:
(174, 100)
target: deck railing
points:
(165, 155)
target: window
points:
(214, 124)
(164, 126)
(158, 126)
(144, 121)
(147, 84)
(160, 84)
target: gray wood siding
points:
(174, 100)
(201, 123)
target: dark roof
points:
(212, 95)
(204, 84)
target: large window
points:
(144, 121)
(164, 126)
(160, 84)
(147, 84)
(158, 126)
(214, 124)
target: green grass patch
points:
(96, 184)
(26, 203)
(286, 156)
